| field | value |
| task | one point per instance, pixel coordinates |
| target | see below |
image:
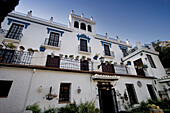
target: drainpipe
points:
(28, 91)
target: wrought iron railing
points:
(15, 57)
(111, 53)
(76, 64)
(16, 36)
(51, 42)
(121, 69)
(84, 49)
(38, 18)
(133, 50)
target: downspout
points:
(28, 91)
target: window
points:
(5, 88)
(151, 92)
(151, 61)
(131, 93)
(53, 62)
(15, 31)
(76, 24)
(83, 26)
(124, 52)
(64, 92)
(107, 50)
(84, 65)
(53, 39)
(89, 28)
(108, 68)
(83, 45)
(138, 66)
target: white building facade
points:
(77, 64)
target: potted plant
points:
(106, 62)
(128, 62)
(145, 66)
(71, 57)
(110, 62)
(42, 48)
(66, 56)
(83, 57)
(96, 57)
(11, 46)
(1, 46)
(89, 59)
(21, 48)
(61, 55)
(77, 58)
(30, 50)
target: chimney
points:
(107, 36)
(82, 15)
(72, 11)
(118, 38)
(91, 18)
(29, 14)
(127, 41)
(51, 20)
(138, 44)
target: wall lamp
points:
(79, 90)
(101, 60)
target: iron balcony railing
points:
(15, 57)
(109, 53)
(84, 49)
(76, 64)
(16, 36)
(52, 42)
(121, 69)
(67, 63)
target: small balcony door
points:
(15, 31)
(53, 39)
(53, 62)
(138, 66)
(84, 64)
(108, 68)
(107, 50)
(83, 45)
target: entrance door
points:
(107, 98)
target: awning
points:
(105, 77)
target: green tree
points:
(164, 53)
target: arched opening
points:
(76, 24)
(83, 26)
(89, 28)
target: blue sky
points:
(135, 20)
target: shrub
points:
(34, 108)
(50, 110)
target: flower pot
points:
(95, 57)
(42, 49)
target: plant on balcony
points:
(66, 56)
(11, 46)
(71, 57)
(77, 58)
(61, 55)
(42, 48)
(83, 57)
(89, 59)
(1, 46)
(21, 48)
(106, 62)
(96, 56)
(145, 66)
(30, 50)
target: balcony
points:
(15, 57)
(84, 50)
(13, 38)
(109, 54)
(67, 63)
(53, 44)
(122, 69)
